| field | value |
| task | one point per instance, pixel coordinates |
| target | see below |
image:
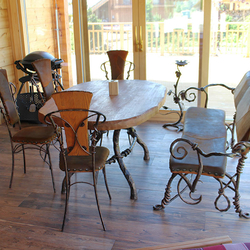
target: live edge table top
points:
(138, 100)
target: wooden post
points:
(65, 48)
(18, 35)
(248, 41)
(162, 38)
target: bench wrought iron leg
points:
(235, 181)
(236, 198)
(167, 197)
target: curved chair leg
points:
(24, 160)
(12, 169)
(97, 202)
(50, 167)
(106, 183)
(66, 199)
(96, 176)
(64, 183)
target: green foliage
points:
(157, 18)
(72, 42)
(149, 7)
(229, 18)
(149, 16)
(178, 8)
(246, 25)
(92, 18)
(191, 5)
(95, 37)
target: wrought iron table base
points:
(118, 156)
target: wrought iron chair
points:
(81, 155)
(117, 62)
(35, 137)
(43, 70)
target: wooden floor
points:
(31, 214)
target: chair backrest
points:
(118, 65)
(43, 69)
(242, 119)
(117, 60)
(242, 105)
(4, 72)
(73, 107)
(11, 113)
(241, 88)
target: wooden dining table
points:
(137, 102)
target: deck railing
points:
(226, 38)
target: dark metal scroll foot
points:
(158, 207)
(167, 196)
(238, 209)
(178, 126)
(244, 215)
(178, 123)
(243, 148)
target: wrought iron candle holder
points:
(176, 97)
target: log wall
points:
(6, 55)
(18, 38)
(40, 34)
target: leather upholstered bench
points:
(205, 127)
(203, 148)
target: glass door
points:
(173, 34)
(229, 51)
(109, 28)
(156, 33)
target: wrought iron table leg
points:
(119, 158)
(132, 132)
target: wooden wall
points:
(6, 55)
(18, 39)
(41, 26)
(40, 34)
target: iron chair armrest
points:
(190, 97)
(200, 153)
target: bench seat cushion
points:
(206, 127)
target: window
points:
(155, 2)
(126, 2)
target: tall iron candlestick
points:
(176, 98)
